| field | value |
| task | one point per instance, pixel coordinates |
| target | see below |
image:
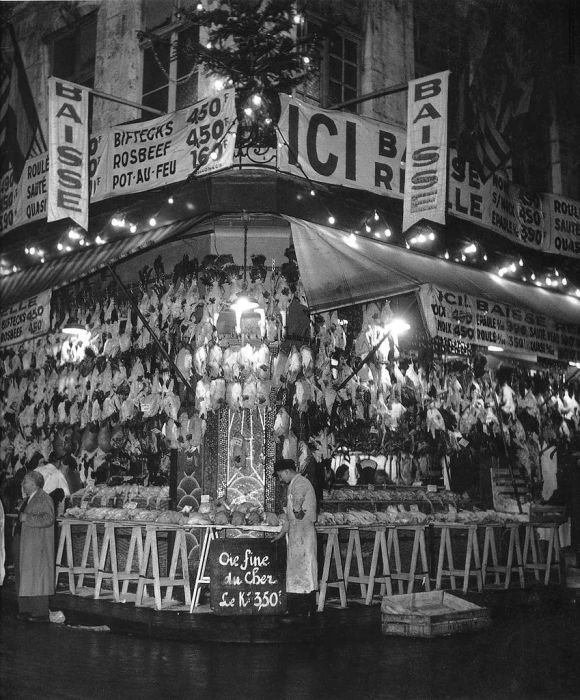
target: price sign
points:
(247, 577)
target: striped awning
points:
(71, 268)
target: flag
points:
(20, 133)
(495, 88)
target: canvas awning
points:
(338, 269)
(70, 268)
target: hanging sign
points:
(426, 166)
(563, 222)
(24, 201)
(499, 205)
(246, 577)
(167, 149)
(26, 319)
(339, 148)
(68, 181)
(458, 316)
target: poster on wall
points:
(138, 157)
(68, 147)
(563, 222)
(426, 159)
(459, 316)
(26, 319)
(340, 148)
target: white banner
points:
(151, 154)
(463, 317)
(339, 148)
(27, 319)
(499, 205)
(68, 146)
(563, 222)
(426, 162)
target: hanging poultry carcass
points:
(246, 358)
(307, 361)
(263, 389)
(184, 361)
(303, 394)
(200, 360)
(294, 366)
(234, 395)
(203, 396)
(205, 329)
(249, 392)
(214, 361)
(217, 392)
(282, 423)
(230, 364)
(279, 369)
(261, 362)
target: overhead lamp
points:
(470, 249)
(397, 326)
(243, 302)
(77, 331)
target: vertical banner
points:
(426, 161)
(68, 177)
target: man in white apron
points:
(301, 562)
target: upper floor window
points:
(169, 72)
(73, 51)
(338, 79)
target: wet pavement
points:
(530, 653)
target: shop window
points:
(169, 72)
(338, 79)
(73, 51)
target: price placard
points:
(247, 577)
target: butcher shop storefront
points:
(432, 405)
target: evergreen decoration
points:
(255, 46)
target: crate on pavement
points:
(431, 614)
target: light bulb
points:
(367, 228)
(248, 111)
(213, 155)
(431, 236)
(297, 19)
(199, 7)
(133, 228)
(388, 232)
(152, 221)
(446, 256)
(533, 276)
(306, 60)
(485, 257)
(170, 200)
(513, 267)
(32, 250)
(564, 281)
(376, 216)
(256, 100)
(312, 193)
(463, 258)
(331, 219)
(520, 262)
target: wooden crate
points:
(431, 614)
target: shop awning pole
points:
(156, 340)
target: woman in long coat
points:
(35, 571)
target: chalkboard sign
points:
(247, 577)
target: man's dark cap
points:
(282, 464)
